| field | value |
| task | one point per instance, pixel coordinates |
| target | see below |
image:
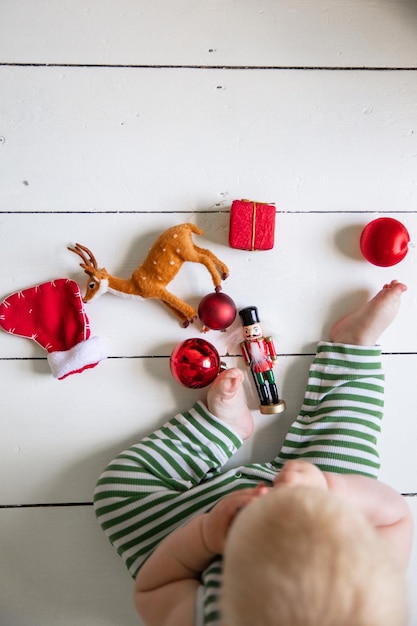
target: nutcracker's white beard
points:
(257, 353)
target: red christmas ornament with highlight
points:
(384, 241)
(217, 311)
(195, 363)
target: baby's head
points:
(299, 556)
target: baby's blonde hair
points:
(299, 556)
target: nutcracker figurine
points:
(259, 354)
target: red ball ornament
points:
(217, 311)
(384, 241)
(195, 363)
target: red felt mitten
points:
(52, 314)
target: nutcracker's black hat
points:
(249, 316)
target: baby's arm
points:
(385, 508)
(167, 583)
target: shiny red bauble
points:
(384, 241)
(195, 363)
(217, 311)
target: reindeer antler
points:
(90, 262)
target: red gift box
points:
(252, 225)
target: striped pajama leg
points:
(158, 484)
(340, 419)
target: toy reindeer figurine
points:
(172, 248)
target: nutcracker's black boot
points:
(271, 403)
(263, 392)
(274, 393)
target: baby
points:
(308, 538)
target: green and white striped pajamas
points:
(176, 472)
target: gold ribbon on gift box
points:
(254, 218)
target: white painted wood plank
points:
(58, 436)
(291, 32)
(314, 274)
(57, 569)
(77, 139)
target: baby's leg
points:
(226, 400)
(150, 489)
(340, 419)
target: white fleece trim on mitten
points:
(84, 354)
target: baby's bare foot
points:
(364, 326)
(226, 400)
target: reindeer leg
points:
(218, 270)
(180, 316)
(179, 308)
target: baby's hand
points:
(218, 521)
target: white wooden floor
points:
(120, 119)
